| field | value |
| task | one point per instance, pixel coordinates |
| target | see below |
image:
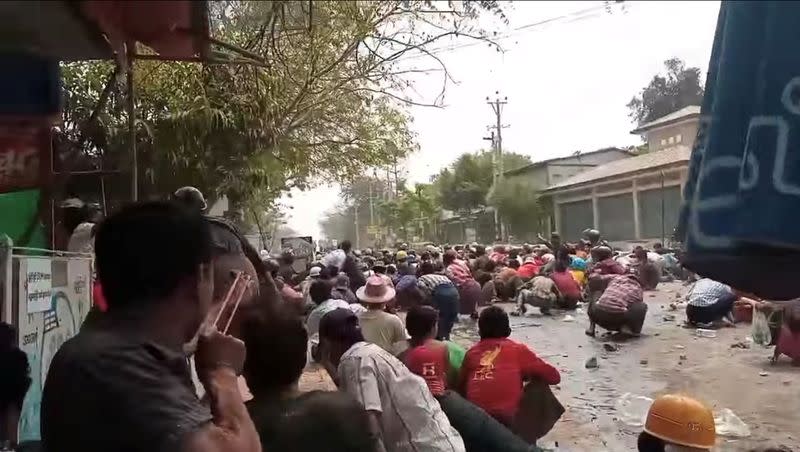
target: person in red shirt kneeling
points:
(496, 368)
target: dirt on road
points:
(668, 358)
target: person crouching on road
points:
(570, 289)
(541, 292)
(620, 308)
(442, 294)
(438, 363)
(496, 368)
(678, 423)
(404, 416)
(469, 291)
(711, 304)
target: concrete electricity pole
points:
(497, 160)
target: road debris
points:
(591, 363)
(741, 344)
(610, 347)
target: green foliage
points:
(667, 93)
(326, 106)
(465, 185)
(519, 206)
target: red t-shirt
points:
(429, 361)
(493, 373)
(528, 270)
(566, 284)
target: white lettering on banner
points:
(748, 166)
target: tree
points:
(667, 93)
(325, 104)
(464, 186)
(519, 207)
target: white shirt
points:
(411, 419)
(314, 317)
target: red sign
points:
(24, 148)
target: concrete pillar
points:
(557, 215)
(637, 233)
(595, 217)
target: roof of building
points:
(650, 160)
(540, 163)
(683, 113)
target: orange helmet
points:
(681, 420)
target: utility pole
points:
(355, 220)
(497, 160)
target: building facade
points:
(632, 200)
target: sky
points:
(567, 84)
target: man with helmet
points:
(678, 422)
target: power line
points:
(575, 16)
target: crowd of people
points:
(151, 368)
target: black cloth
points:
(633, 318)
(480, 431)
(266, 413)
(110, 391)
(712, 312)
(538, 411)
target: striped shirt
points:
(431, 281)
(621, 293)
(707, 292)
(411, 419)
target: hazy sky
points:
(567, 84)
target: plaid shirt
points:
(428, 283)
(458, 272)
(707, 292)
(621, 293)
(607, 267)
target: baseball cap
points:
(338, 324)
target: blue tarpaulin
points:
(741, 212)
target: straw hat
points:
(375, 291)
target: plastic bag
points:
(632, 409)
(728, 424)
(760, 333)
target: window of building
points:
(663, 142)
(678, 138)
(671, 140)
